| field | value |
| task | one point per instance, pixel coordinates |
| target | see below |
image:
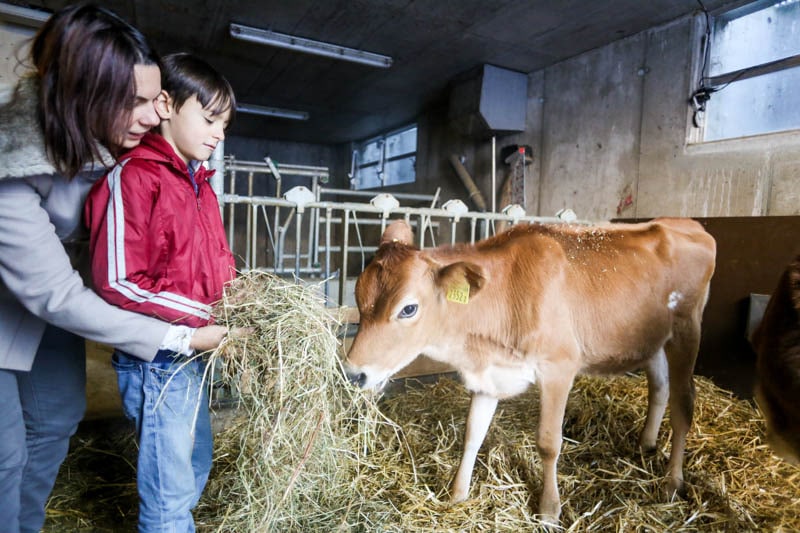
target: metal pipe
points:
(230, 209)
(297, 232)
(277, 176)
(282, 231)
(345, 251)
(368, 208)
(370, 194)
(474, 194)
(289, 170)
(472, 224)
(328, 213)
(249, 230)
(494, 173)
(313, 228)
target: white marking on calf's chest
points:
(500, 381)
(674, 299)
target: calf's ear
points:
(451, 278)
(398, 231)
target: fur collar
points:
(22, 152)
(21, 144)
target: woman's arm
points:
(36, 269)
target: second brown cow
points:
(777, 343)
(540, 304)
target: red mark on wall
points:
(626, 201)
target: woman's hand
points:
(207, 337)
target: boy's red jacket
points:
(157, 247)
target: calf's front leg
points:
(481, 411)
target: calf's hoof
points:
(458, 495)
(550, 522)
(674, 489)
(549, 512)
(648, 448)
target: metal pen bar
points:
(328, 213)
(345, 245)
(370, 194)
(274, 171)
(283, 230)
(313, 229)
(472, 224)
(297, 232)
(230, 210)
(249, 231)
(412, 211)
(289, 170)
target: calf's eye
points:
(408, 311)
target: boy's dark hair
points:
(84, 57)
(185, 75)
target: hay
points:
(308, 452)
(96, 487)
(734, 483)
(288, 461)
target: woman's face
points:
(143, 116)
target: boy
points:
(159, 248)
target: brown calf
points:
(541, 304)
(777, 344)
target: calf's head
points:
(402, 299)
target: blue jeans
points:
(39, 412)
(174, 456)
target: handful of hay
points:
(289, 459)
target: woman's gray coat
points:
(40, 218)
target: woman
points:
(90, 98)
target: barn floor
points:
(734, 483)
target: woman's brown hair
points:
(84, 57)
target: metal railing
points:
(326, 250)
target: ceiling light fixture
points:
(22, 16)
(276, 112)
(301, 44)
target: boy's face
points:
(193, 132)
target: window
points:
(386, 160)
(753, 71)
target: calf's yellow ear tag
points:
(458, 292)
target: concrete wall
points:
(13, 49)
(612, 125)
